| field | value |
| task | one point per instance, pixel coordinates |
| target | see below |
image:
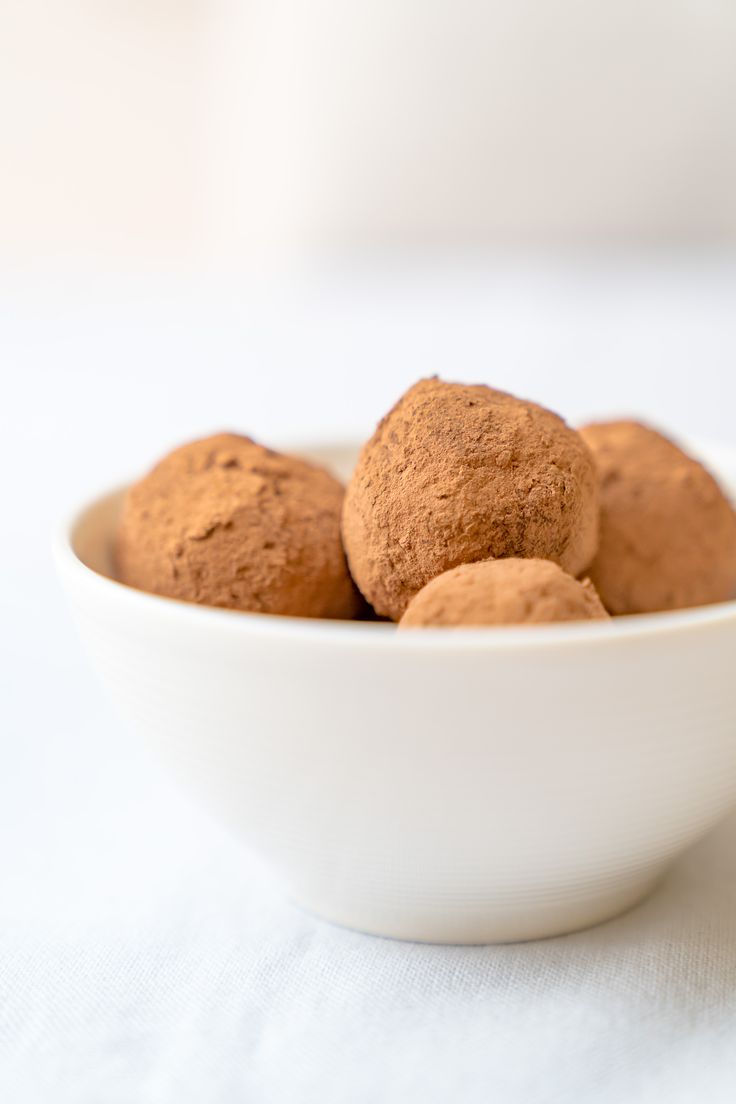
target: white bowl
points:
(462, 786)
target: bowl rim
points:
(382, 635)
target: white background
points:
(196, 129)
(177, 181)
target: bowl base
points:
(534, 918)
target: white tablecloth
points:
(144, 955)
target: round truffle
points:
(668, 533)
(503, 592)
(226, 522)
(455, 474)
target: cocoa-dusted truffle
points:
(668, 533)
(226, 522)
(458, 473)
(503, 592)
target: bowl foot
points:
(496, 919)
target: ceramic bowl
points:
(462, 786)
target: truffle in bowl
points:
(503, 592)
(466, 786)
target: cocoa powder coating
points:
(503, 592)
(225, 522)
(668, 533)
(456, 473)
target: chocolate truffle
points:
(226, 522)
(668, 533)
(455, 474)
(503, 592)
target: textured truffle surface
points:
(455, 474)
(668, 533)
(503, 592)
(225, 522)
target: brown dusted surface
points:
(458, 473)
(225, 522)
(503, 592)
(668, 533)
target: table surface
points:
(144, 954)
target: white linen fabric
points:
(145, 956)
